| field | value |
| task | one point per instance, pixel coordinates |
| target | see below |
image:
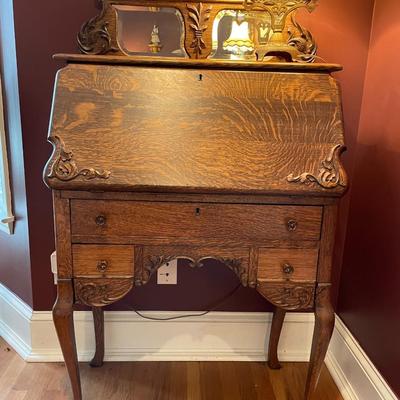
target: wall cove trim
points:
(217, 336)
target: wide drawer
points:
(103, 261)
(287, 264)
(192, 221)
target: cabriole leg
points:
(276, 329)
(324, 323)
(98, 319)
(64, 324)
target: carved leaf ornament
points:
(64, 167)
(331, 173)
(199, 16)
(156, 261)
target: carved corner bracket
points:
(154, 262)
(331, 174)
(290, 298)
(101, 292)
(64, 167)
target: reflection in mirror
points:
(236, 34)
(150, 31)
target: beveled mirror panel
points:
(236, 34)
(150, 31)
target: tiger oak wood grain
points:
(243, 131)
(62, 228)
(64, 324)
(199, 63)
(103, 261)
(180, 221)
(199, 198)
(159, 159)
(272, 262)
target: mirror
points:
(236, 34)
(150, 31)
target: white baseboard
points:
(355, 375)
(218, 336)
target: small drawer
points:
(288, 264)
(191, 222)
(103, 261)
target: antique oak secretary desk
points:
(196, 130)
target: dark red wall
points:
(40, 31)
(369, 296)
(15, 271)
(342, 30)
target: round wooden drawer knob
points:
(101, 220)
(102, 266)
(292, 225)
(288, 269)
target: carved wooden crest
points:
(101, 292)
(288, 41)
(65, 168)
(291, 297)
(154, 262)
(330, 175)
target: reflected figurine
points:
(155, 43)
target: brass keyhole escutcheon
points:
(291, 225)
(102, 266)
(101, 220)
(288, 269)
(197, 212)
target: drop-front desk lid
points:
(196, 126)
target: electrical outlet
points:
(53, 262)
(167, 274)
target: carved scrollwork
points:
(279, 9)
(154, 262)
(303, 41)
(64, 167)
(199, 15)
(94, 37)
(236, 266)
(331, 174)
(101, 292)
(289, 298)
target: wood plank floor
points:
(158, 381)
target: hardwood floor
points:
(158, 381)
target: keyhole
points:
(200, 77)
(197, 212)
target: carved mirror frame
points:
(289, 40)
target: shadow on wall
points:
(197, 290)
(369, 297)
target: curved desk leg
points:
(276, 329)
(64, 323)
(324, 323)
(98, 319)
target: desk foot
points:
(64, 324)
(324, 323)
(276, 329)
(98, 319)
